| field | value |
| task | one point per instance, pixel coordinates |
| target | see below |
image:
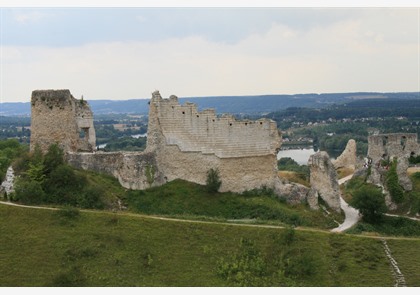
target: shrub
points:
(28, 191)
(370, 202)
(53, 158)
(213, 181)
(91, 198)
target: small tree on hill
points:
(53, 158)
(213, 181)
(371, 203)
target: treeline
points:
(334, 137)
(369, 108)
(126, 144)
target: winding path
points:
(352, 214)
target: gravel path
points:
(352, 214)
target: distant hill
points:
(228, 104)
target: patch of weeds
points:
(68, 215)
(147, 260)
(73, 254)
(113, 220)
(74, 277)
(288, 236)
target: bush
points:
(53, 158)
(371, 203)
(213, 181)
(91, 198)
(28, 192)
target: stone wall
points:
(57, 117)
(392, 145)
(204, 132)
(187, 143)
(182, 143)
(387, 147)
(133, 170)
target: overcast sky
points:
(124, 53)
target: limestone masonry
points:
(57, 117)
(182, 143)
(185, 143)
(385, 147)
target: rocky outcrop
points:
(293, 193)
(324, 182)
(7, 187)
(348, 158)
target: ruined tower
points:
(57, 117)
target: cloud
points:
(355, 54)
(27, 17)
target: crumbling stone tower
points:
(390, 146)
(57, 117)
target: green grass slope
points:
(56, 248)
(189, 200)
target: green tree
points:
(213, 181)
(36, 172)
(53, 158)
(371, 203)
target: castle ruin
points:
(386, 147)
(182, 143)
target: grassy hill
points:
(62, 248)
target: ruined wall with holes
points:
(185, 143)
(384, 147)
(57, 117)
(392, 145)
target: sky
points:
(126, 53)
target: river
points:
(101, 146)
(301, 156)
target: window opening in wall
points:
(84, 133)
(260, 123)
(198, 116)
(230, 124)
(213, 120)
(246, 124)
(183, 112)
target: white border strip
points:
(207, 3)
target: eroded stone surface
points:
(182, 143)
(294, 193)
(324, 181)
(57, 117)
(348, 158)
(386, 147)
